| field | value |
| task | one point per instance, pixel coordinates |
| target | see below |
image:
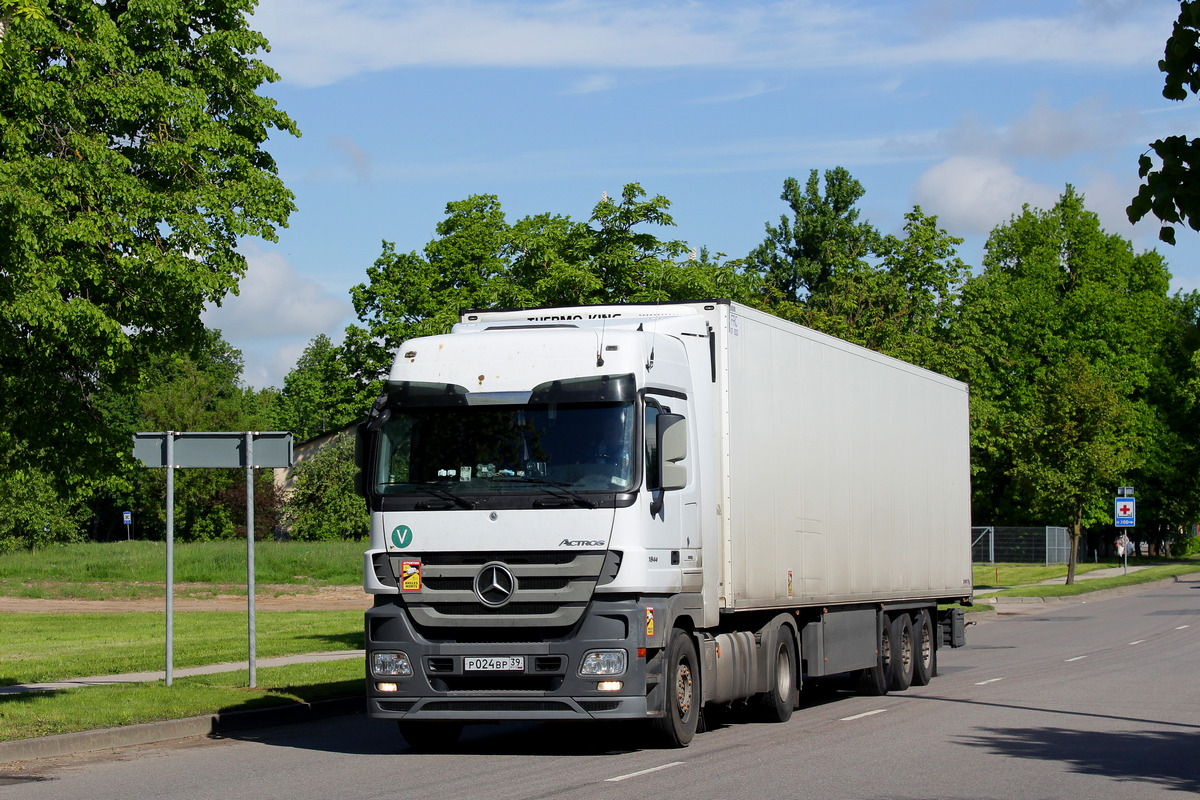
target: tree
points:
(480, 261)
(131, 161)
(902, 304)
(1059, 336)
(824, 238)
(319, 394)
(1171, 191)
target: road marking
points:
(864, 714)
(1076, 658)
(639, 773)
(1139, 641)
(1181, 627)
(989, 680)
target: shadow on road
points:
(1163, 758)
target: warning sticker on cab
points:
(649, 622)
(410, 576)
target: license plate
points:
(494, 664)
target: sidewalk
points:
(211, 669)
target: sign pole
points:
(170, 554)
(250, 555)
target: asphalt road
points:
(1096, 699)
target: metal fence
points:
(993, 543)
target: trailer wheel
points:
(681, 690)
(876, 680)
(777, 702)
(926, 649)
(904, 654)
(431, 736)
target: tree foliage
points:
(319, 394)
(322, 504)
(1171, 191)
(1062, 332)
(131, 161)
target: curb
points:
(67, 744)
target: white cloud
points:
(1048, 132)
(318, 42)
(274, 316)
(591, 84)
(974, 194)
(750, 90)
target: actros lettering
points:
(580, 543)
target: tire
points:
(681, 692)
(430, 737)
(776, 703)
(925, 664)
(875, 681)
(904, 652)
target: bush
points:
(322, 504)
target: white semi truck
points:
(636, 511)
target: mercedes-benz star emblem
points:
(495, 584)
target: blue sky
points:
(969, 109)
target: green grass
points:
(24, 716)
(1154, 573)
(132, 570)
(990, 576)
(42, 647)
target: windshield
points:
(503, 449)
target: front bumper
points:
(548, 688)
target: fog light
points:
(603, 662)
(609, 686)
(387, 687)
(387, 664)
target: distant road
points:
(1093, 699)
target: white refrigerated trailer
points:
(636, 511)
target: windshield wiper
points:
(552, 488)
(445, 494)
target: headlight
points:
(396, 664)
(603, 662)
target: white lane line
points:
(1076, 658)
(1181, 627)
(989, 680)
(640, 773)
(864, 714)
(1139, 641)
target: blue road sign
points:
(127, 516)
(1124, 512)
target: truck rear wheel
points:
(904, 652)
(681, 690)
(431, 736)
(926, 649)
(777, 703)
(876, 680)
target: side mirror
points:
(671, 434)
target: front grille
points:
(552, 589)
(599, 705)
(396, 705)
(496, 683)
(496, 705)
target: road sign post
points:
(1125, 516)
(127, 518)
(214, 449)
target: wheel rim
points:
(683, 689)
(906, 652)
(926, 647)
(783, 672)
(885, 647)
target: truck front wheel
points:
(681, 690)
